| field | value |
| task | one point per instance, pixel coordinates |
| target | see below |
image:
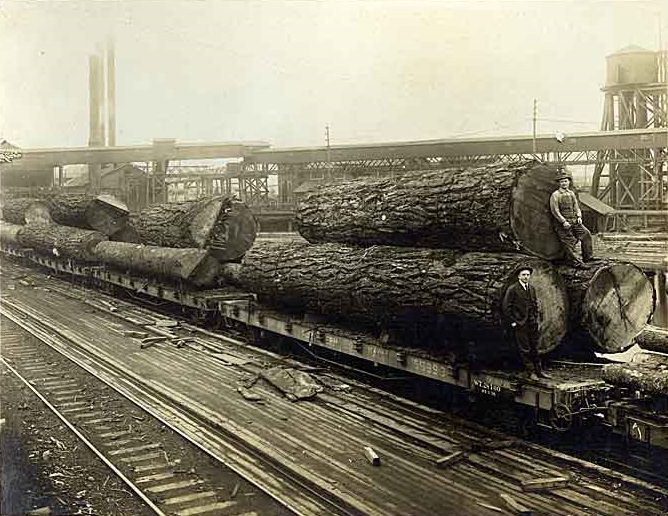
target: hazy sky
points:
(280, 71)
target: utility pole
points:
(535, 112)
(329, 153)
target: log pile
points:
(648, 374)
(9, 233)
(222, 225)
(103, 213)
(653, 339)
(610, 303)
(500, 207)
(13, 210)
(195, 266)
(397, 285)
(54, 240)
(493, 208)
(434, 250)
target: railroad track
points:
(130, 438)
(409, 437)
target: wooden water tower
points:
(635, 98)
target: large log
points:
(9, 233)
(222, 225)
(13, 210)
(62, 241)
(611, 302)
(396, 285)
(653, 339)
(500, 207)
(103, 213)
(193, 265)
(647, 373)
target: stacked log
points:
(223, 226)
(103, 213)
(610, 303)
(195, 266)
(9, 234)
(13, 210)
(54, 240)
(653, 339)
(383, 282)
(647, 373)
(500, 207)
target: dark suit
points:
(520, 306)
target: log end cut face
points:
(552, 303)
(234, 232)
(530, 217)
(38, 213)
(617, 305)
(107, 215)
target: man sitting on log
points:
(568, 221)
(520, 307)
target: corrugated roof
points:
(8, 152)
(82, 180)
(595, 204)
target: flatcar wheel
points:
(561, 417)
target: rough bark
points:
(500, 207)
(62, 241)
(225, 227)
(653, 339)
(395, 285)
(13, 210)
(649, 375)
(193, 265)
(9, 233)
(611, 302)
(103, 213)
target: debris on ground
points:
(108, 305)
(295, 385)
(371, 456)
(135, 334)
(475, 447)
(150, 341)
(166, 323)
(538, 484)
(248, 395)
(515, 506)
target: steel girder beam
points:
(465, 148)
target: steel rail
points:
(334, 504)
(83, 439)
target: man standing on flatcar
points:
(520, 308)
(568, 225)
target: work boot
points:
(543, 374)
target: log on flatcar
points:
(499, 207)
(395, 285)
(653, 339)
(54, 240)
(192, 265)
(222, 225)
(102, 213)
(610, 303)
